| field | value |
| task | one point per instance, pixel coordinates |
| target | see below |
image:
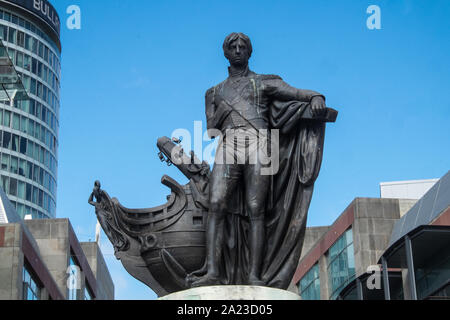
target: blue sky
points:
(138, 70)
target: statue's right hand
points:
(318, 105)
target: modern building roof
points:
(40, 12)
(425, 211)
(410, 189)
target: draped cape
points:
(300, 156)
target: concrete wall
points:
(405, 205)
(53, 240)
(47, 246)
(325, 289)
(11, 262)
(372, 229)
(312, 235)
(105, 285)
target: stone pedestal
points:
(232, 293)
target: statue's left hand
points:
(318, 106)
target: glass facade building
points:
(381, 249)
(31, 288)
(310, 284)
(432, 275)
(29, 128)
(341, 263)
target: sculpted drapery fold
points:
(300, 157)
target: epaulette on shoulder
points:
(210, 91)
(269, 77)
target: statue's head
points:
(237, 49)
(97, 184)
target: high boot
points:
(214, 243)
(257, 238)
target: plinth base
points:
(232, 293)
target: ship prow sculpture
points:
(239, 223)
(160, 246)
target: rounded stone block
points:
(232, 293)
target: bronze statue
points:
(242, 104)
(237, 224)
(106, 218)
(97, 193)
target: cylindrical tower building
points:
(30, 31)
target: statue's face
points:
(238, 53)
